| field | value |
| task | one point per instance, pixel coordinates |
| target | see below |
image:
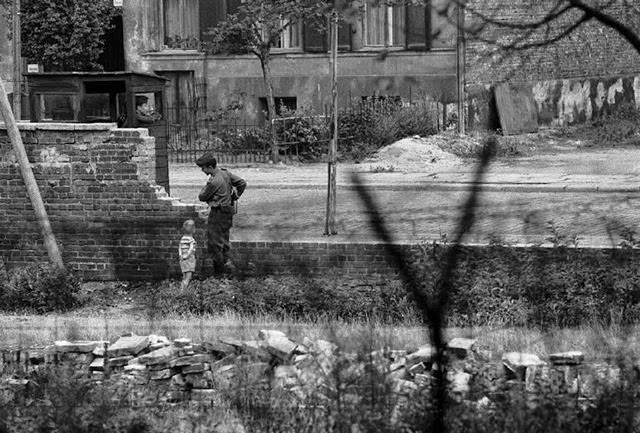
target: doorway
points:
(112, 58)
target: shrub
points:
(40, 289)
(286, 297)
(310, 133)
(376, 123)
(619, 126)
(493, 285)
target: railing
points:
(192, 132)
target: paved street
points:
(588, 194)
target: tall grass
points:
(596, 340)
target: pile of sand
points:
(413, 153)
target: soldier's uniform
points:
(219, 194)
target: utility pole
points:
(460, 66)
(330, 221)
(17, 60)
(29, 180)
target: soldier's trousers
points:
(218, 226)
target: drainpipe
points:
(460, 66)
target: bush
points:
(619, 126)
(40, 289)
(310, 133)
(363, 128)
(493, 285)
(377, 123)
(290, 297)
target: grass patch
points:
(597, 341)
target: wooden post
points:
(17, 60)
(29, 180)
(460, 66)
(330, 221)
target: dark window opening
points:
(112, 57)
(104, 101)
(284, 104)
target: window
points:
(148, 107)
(57, 107)
(96, 107)
(283, 104)
(181, 23)
(291, 36)
(384, 26)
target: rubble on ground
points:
(186, 370)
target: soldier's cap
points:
(206, 160)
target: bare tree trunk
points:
(271, 105)
(29, 180)
(330, 221)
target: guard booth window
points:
(57, 107)
(104, 101)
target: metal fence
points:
(194, 131)
(190, 134)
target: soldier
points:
(220, 193)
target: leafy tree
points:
(64, 35)
(257, 26)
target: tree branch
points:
(609, 21)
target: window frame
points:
(164, 34)
(389, 33)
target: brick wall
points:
(113, 222)
(97, 183)
(592, 51)
(573, 80)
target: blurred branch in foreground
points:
(432, 310)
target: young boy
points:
(187, 252)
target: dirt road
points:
(589, 194)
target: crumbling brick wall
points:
(113, 222)
(97, 182)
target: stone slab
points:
(130, 345)
(189, 360)
(119, 361)
(75, 346)
(567, 358)
(424, 354)
(157, 356)
(461, 347)
(280, 347)
(265, 334)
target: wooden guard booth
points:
(130, 99)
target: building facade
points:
(400, 51)
(162, 36)
(6, 53)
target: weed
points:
(39, 288)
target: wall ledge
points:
(33, 126)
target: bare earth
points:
(592, 194)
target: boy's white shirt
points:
(192, 249)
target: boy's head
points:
(189, 227)
(207, 163)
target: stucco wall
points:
(560, 102)
(307, 76)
